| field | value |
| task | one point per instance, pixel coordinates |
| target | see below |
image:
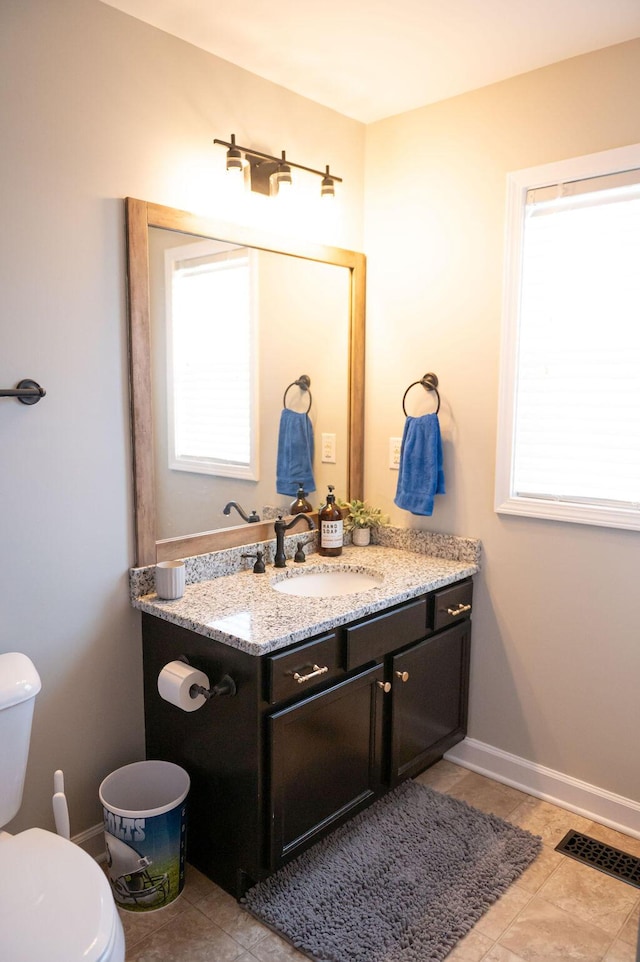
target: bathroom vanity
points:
(338, 699)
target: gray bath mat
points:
(402, 882)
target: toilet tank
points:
(19, 685)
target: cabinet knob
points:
(385, 685)
(402, 675)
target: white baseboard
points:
(597, 804)
(92, 841)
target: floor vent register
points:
(611, 861)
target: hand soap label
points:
(331, 534)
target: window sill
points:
(571, 512)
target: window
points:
(569, 418)
(211, 360)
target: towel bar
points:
(27, 391)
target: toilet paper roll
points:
(175, 681)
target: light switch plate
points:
(328, 449)
(395, 445)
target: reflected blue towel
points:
(421, 473)
(294, 466)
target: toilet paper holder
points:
(226, 685)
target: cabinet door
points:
(325, 761)
(429, 708)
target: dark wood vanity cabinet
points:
(316, 731)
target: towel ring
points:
(304, 383)
(429, 383)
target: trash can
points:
(144, 810)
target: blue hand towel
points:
(294, 466)
(421, 474)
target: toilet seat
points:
(55, 902)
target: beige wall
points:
(98, 106)
(556, 650)
(105, 106)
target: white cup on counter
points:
(170, 580)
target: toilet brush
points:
(60, 807)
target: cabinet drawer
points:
(452, 604)
(375, 637)
(294, 671)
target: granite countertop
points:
(243, 609)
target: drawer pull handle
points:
(312, 674)
(402, 675)
(460, 610)
(385, 685)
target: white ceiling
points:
(370, 59)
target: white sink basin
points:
(326, 584)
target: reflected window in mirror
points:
(211, 359)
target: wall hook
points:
(27, 391)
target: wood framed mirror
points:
(144, 221)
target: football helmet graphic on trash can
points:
(130, 877)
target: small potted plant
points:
(360, 519)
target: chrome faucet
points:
(249, 518)
(280, 560)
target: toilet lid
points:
(55, 901)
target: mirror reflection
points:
(224, 324)
(232, 330)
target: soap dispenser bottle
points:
(331, 527)
(300, 505)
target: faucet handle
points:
(300, 556)
(259, 567)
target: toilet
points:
(55, 901)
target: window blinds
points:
(211, 363)
(577, 417)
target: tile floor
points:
(558, 911)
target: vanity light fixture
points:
(282, 176)
(328, 188)
(235, 161)
(269, 174)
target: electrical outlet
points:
(394, 453)
(328, 449)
